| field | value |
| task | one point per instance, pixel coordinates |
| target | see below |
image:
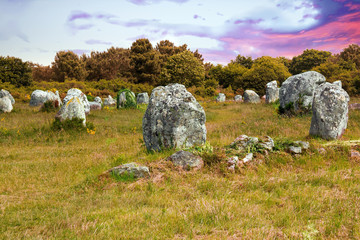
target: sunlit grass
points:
(52, 183)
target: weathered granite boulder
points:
(142, 98)
(338, 82)
(74, 92)
(4, 93)
(5, 104)
(173, 118)
(251, 97)
(95, 106)
(39, 97)
(299, 89)
(272, 92)
(98, 100)
(238, 98)
(109, 101)
(131, 169)
(186, 160)
(73, 108)
(221, 97)
(294, 150)
(330, 111)
(243, 142)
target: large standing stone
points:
(39, 97)
(221, 97)
(4, 93)
(299, 89)
(251, 97)
(272, 92)
(142, 98)
(73, 108)
(109, 101)
(330, 111)
(238, 98)
(74, 92)
(173, 118)
(5, 104)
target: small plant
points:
(289, 109)
(124, 177)
(128, 102)
(204, 148)
(75, 124)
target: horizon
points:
(35, 30)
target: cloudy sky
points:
(35, 30)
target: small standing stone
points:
(5, 104)
(221, 97)
(142, 98)
(238, 98)
(98, 100)
(251, 97)
(95, 106)
(4, 93)
(109, 101)
(272, 92)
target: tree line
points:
(166, 63)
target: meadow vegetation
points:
(53, 182)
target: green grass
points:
(52, 183)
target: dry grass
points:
(52, 186)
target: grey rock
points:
(109, 101)
(251, 97)
(244, 142)
(4, 93)
(39, 97)
(221, 97)
(330, 111)
(98, 100)
(303, 145)
(73, 108)
(232, 162)
(321, 150)
(339, 83)
(272, 92)
(238, 98)
(294, 150)
(131, 169)
(122, 98)
(74, 92)
(186, 160)
(299, 89)
(248, 157)
(142, 98)
(268, 144)
(95, 106)
(173, 118)
(5, 104)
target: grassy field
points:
(52, 184)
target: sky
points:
(34, 30)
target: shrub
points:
(49, 106)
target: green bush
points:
(50, 106)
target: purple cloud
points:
(249, 21)
(149, 2)
(94, 41)
(79, 15)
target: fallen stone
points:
(173, 118)
(299, 89)
(303, 145)
(251, 97)
(294, 150)
(186, 160)
(131, 169)
(330, 111)
(244, 142)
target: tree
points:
(231, 75)
(145, 61)
(41, 73)
(110, 64)
(265, 69)
(68, 65)
(15, 71)
(351, 54)
(244, 61)
(183, 68)
(309, 59)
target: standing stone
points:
(73, 108)
(5, 104)
(109, 101)
(39, 97)
(142, 98)
(173, 118)
(330, 111)
(74, 92)
(4, 93)
(98, 100)
(251, 97)
(238, 98)
(123, 100)
(272, 92)
(299, 89)
(221, 97)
